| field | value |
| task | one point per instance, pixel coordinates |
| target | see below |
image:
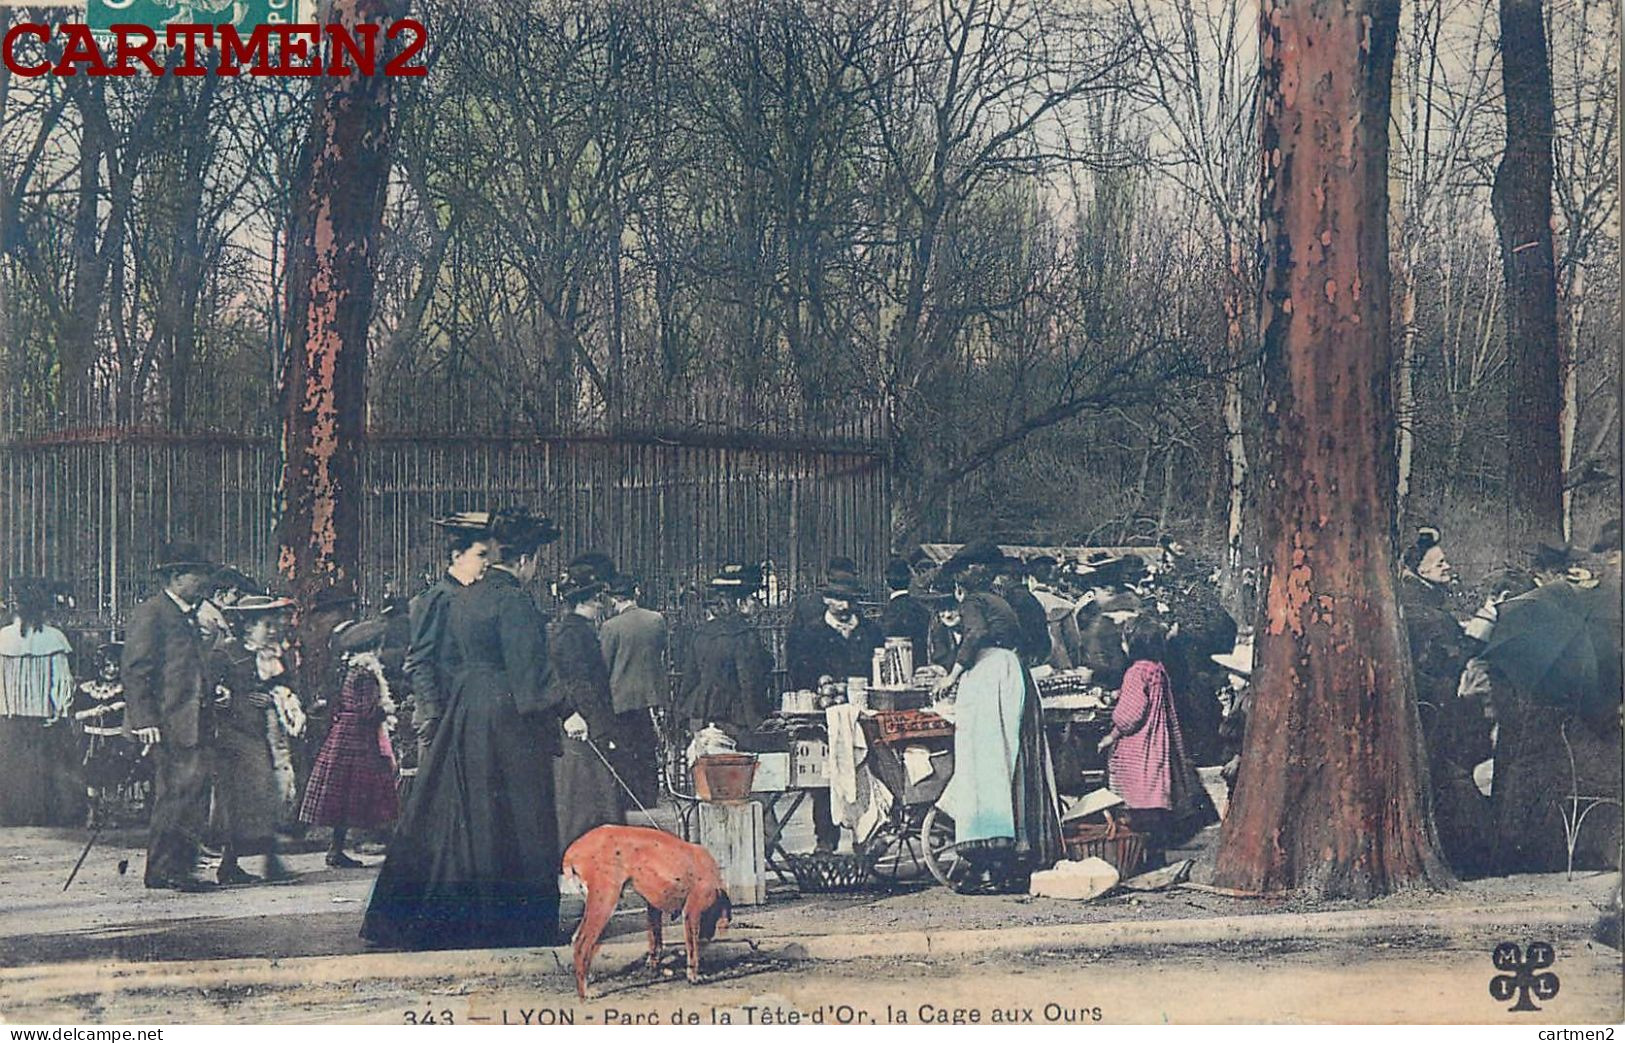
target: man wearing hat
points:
(839, 644)
(1059, 611)
(727, 671)
(166, 708)
(634, 640)
(429, 655)
(809, 607)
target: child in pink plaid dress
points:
(1148, 765)
(352, 783)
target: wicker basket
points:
(828, 873)
(1114, 842)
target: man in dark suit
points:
(167, 707)
(1010, 584)
(839, 644)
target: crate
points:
(809, 763)
(892, 699)
(825, 872)
(901, 725)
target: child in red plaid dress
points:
(353, 780)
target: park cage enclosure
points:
(91, 501)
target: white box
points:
(772, 773)
(809, 763)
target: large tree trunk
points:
(1522, 202)
(339, 197)
(1332, 799)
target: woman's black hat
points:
(579, 583)
(602, 565)
(358, 636)
(517, 526)
(228, 577)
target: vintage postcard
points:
(809, 512)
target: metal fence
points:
(94, 506)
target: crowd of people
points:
(481, 737)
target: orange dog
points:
(670, 874)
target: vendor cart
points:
(897, 842)
(916, 833)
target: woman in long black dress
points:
(588, 795)
(475, 860)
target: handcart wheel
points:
(897, 856)
(937, 844)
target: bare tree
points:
(1203, 59)
(1585, 87)
(1443, 91)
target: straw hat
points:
(259, 605)
(1238, 660)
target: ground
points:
(109, 950)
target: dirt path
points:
(1396, 980)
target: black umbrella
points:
(1559, 646)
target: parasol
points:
(1559, 645)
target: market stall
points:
(884, 747)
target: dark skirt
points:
(1038, 826)
(42, 783)
(475, 859)
(586, 793)
(248, 798)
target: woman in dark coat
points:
(475, 860)
(249, 795)
(727, 671)
(586, 793)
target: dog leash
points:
(624, 787)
